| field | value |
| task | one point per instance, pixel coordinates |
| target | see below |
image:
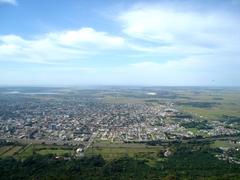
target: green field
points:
(24, 151)
(226, 103)
(58, 152)
(12, 151)
(4, 149)
(225, 144)
(110, 151)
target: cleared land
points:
(110, 151)
(225, 144)
(12, 151)
(211, 105)
(24, 151)
(4, 149)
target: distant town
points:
(81, 117)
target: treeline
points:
(197, 124)
(189, 161)
(199, 104)
(230, 119)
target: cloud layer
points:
(158, 44)
(57, 46)
(178, 30)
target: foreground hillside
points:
(188, 162)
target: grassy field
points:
(58, 152)
(110, 151)
(12, 151)
(225, 144)
(4, 149)
(227, 103)
(24, 151)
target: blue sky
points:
(78, 42)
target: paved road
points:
(190, 140)
(89, 143)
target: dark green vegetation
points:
(189, 161)
(230, 119)
(196, 124)
(199, 104)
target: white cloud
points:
(57, 46)
(12, 2)
(174, 30)
(88, 35)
